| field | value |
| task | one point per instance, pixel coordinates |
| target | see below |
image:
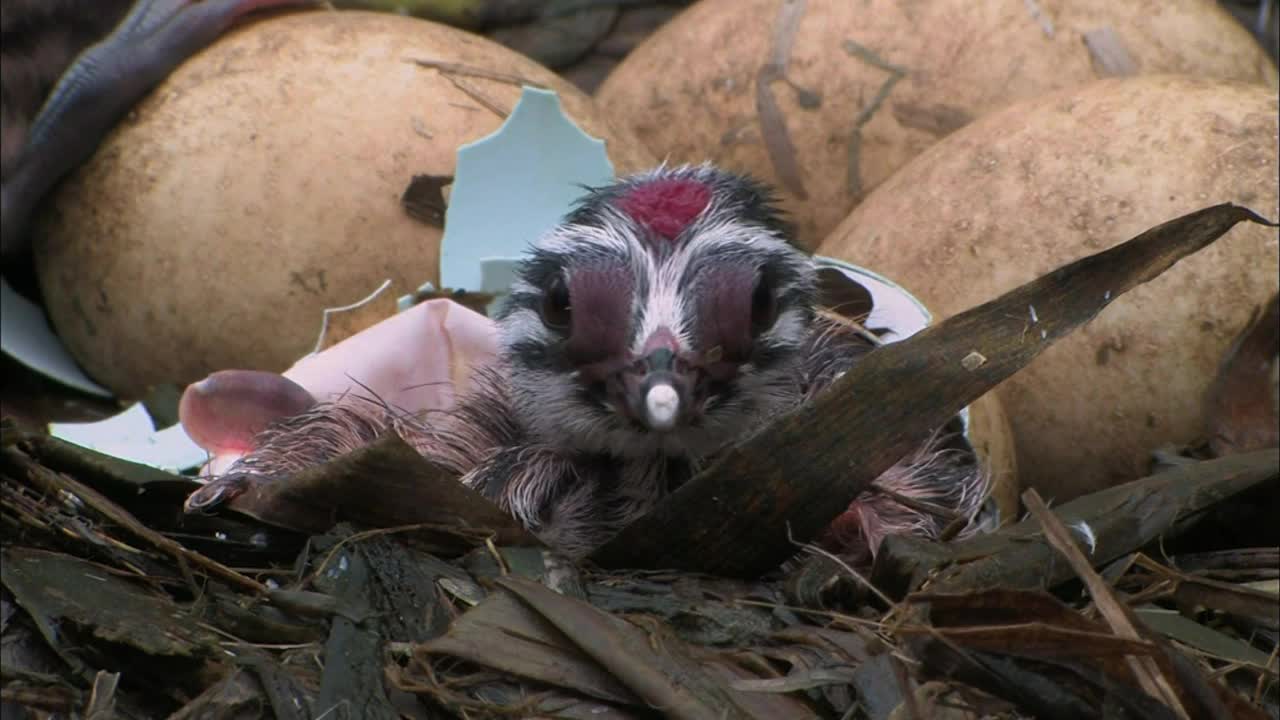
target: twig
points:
(449, 68)
(503, 567)
(909, 700)
(54, 482)
(1260, 686)
(1145, 668)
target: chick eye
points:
(764, 306)
(556, 311)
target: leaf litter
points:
(376, 587)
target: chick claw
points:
(100, 87)
(220, 492)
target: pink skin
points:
(418, 360)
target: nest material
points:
(400, 593)
(108, 603)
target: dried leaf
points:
(384, 484)
(505, 634)
(353, 654)
(1120, 520)
(87, 628)
(1240, 600)
(1157, 683)
(1242, 404)
(1190, 632)
(1024, 623)
(1037, 639)
(657, 668)
(790, 480)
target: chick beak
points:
(660, 390)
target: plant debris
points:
(375, 586)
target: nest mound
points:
(373, 587)
(115, 602)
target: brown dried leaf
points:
(1120, 519)
(83, 626)
(1242, 404)
(1256, 605)
(1156, 683)
(505, 634)
(1037, 639)
(1196, 635)
(1025, 623)
(655, 665)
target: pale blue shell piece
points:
(511, 187)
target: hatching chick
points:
(665, 317)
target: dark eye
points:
(556, 311)
(764, 306)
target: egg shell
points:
(261, 183)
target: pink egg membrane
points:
(418, 360)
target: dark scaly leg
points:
(103, 83)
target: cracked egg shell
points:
(261, 183)
(1036, 186)
(869, 85)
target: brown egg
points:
(261, 183)
(869, 85)
(1041, 184)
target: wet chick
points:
(666, 316)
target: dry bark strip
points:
(653, 666)
(740, 516)
(1120, 519)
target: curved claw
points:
(103, 83)
(218, 492)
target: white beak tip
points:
(661, 406)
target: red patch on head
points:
(668, 206)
